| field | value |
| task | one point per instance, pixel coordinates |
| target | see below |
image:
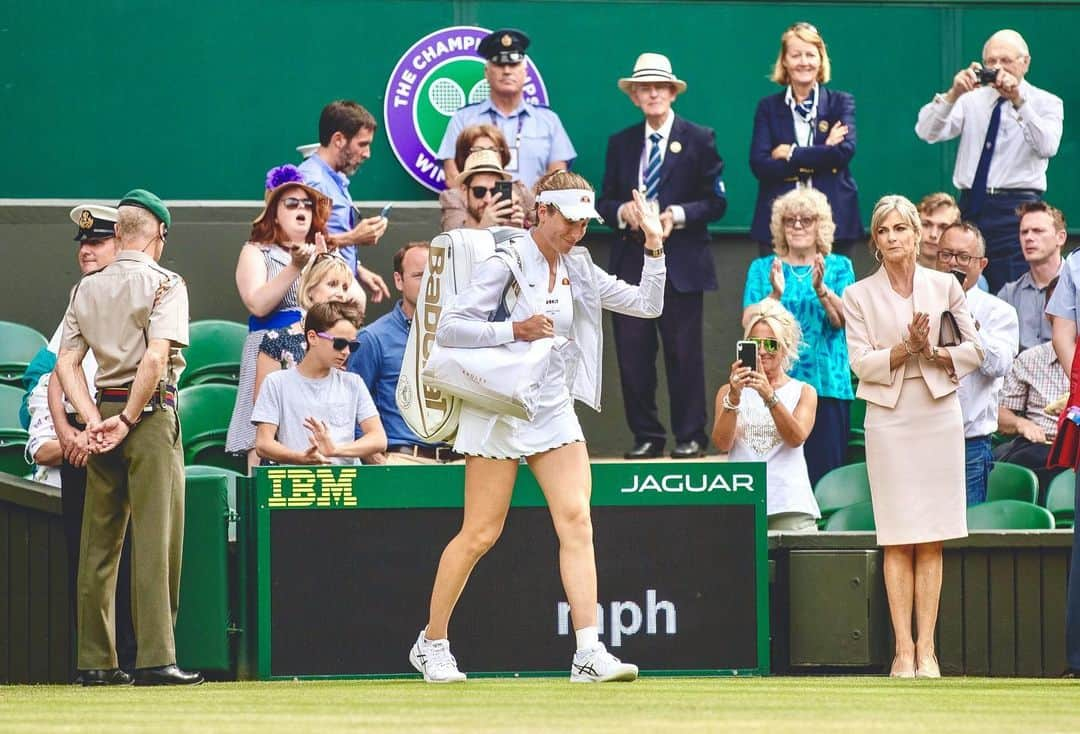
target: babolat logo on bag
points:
(431, 413)
(437, 76)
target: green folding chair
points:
(857, 517)
(843, 486)
(1009, 515)
(1061, 498)
(858, 418)
(18, 345)
(214, 353)
(10, 402)
(1012, 482)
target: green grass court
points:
(773, 705)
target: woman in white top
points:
(573, 291)
(770, 421)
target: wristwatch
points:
(655, 253)
(125, 421)
(772, 401)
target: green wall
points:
(196, 100)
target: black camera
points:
(986, 76)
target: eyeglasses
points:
(767, 344)
(960, 258)
(800, 220)
(481, 191)
(340, 343)
(291, 202)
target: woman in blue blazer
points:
(805, 136)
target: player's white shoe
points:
(433, 659)
(597, 665)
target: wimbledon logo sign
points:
(437, 76)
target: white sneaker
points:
(597, 665)
(433, 659)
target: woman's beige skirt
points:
(915, 460)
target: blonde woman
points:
(806, 277)
(804, 136)
(766, 415)
(552, 443)
(914, 429)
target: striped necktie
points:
(652, 169)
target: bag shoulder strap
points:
(509, 253)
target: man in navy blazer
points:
(805, 135)
(676, 163)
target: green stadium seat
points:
(205, 470)
(858, 417)
(18, 345)
(858, 517)
(205, 411)
(843, 486)
(10, 402)
(1009, 515)
(13, 455)
(1061, 498)
(1012, 482)
(213, 356)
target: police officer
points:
(538, 142)
(134, 315)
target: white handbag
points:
(505, 379)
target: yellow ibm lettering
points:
(303, 487)
(277, 488)
(335, 491)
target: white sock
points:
(587, 637)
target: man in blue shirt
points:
(538, 143)
(345, 133)
(378, 362)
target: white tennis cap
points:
(574, 204)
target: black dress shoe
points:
(645, 450)
(1071, 673)
(108, 677)
(687, 450)
(166, 675)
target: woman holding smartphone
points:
(770, 421)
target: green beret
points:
(148, 201)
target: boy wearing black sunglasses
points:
(309, 414)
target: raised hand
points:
(301, 253)
(919, 331)
(369, 230)
(776, 278)
(738, 377)
(648, 216)
(965, 80)
(817, 273)
(320, 437)
(320, 243)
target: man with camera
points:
(1009, 130)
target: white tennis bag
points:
(432, 414)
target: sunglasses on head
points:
(291, 202)
(340, 343)
(767, 344)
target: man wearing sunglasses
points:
(962, 251)
(485, 205)
(310, 414)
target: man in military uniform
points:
(134, 316)
(538, 143)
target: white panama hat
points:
(652, 68)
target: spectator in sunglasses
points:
(808, 278)
(309, 415)
(284, 238)
(766, 415)
(327, 278)
(475, 202)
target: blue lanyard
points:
(520, 122)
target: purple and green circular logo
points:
(437, 76)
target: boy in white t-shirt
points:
(309, 414)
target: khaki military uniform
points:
(116, 312)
